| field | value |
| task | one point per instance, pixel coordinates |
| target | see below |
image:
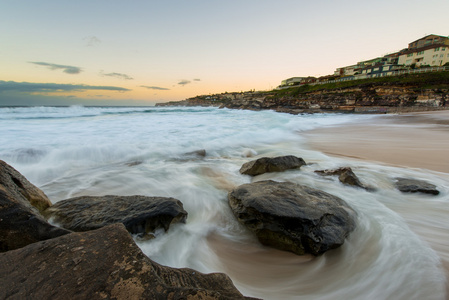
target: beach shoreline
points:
(413, 140)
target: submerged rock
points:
(21, 189)
(102, 264)
(292, 217)
(140, 214)
(271, 164)
(407, 185)
(20, 221)
(345, 176)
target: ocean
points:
(395, 252)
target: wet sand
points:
(416, 140)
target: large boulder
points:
(20, 222)
(345, 176)
(101, 264)
(407, 185)
(140, 214)
(21, 189)
(271, 164)
(293, 217)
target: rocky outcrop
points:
(404, 93)
(20, 222)
(21, 189)
(407, 185)
(101, 264)
(271, 164)
(293, 217)
(345, 176)
(140, 214)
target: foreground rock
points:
(20, 222)
(140, 214)
(293, 217)
(271, 164)
(345, 176)
(21, 189)
(101, 264)
(407, 185)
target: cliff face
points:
(372, 98)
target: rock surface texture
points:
(292, 217)
(271, 164)
(407, 185)
(20, 222)
(345, 176)
(140, 214)
(101, 264)
(20, 188)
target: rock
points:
(407, 185)
(346, 176)
(292, 217)
(197, 153)
(140, 214)
(21, 224)
(21, 189)
(274, 164)
(101, 264)
(20, 221)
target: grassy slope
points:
(435, 80)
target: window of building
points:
(437, 49)
(420, 53)
(410, 54)
(443, 49)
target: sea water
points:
(398, 251)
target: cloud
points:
(184, 82)
(31, 87)
(91, 40)
(196, 79)
(118, 75)
(155, 88)
(66, 69)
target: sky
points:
(143, 52)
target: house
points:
(429, 40)
(292, 81)
(432, 55)
(431, 50)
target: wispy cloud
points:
(155, 88)
(66, 69)
(196, 79)
(184, 82)
(117, 75)
(91, 40)
(32, 87)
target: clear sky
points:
(141, 52)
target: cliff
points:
(383, 95)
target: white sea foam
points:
(76, 151)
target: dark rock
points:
(293, 217)
(407, 185)
(140, 214)
(271, 164)
(197, 153)
(346, 176)
(102, 264)
(20, 222)
(21, 189)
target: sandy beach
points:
(416, 140)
